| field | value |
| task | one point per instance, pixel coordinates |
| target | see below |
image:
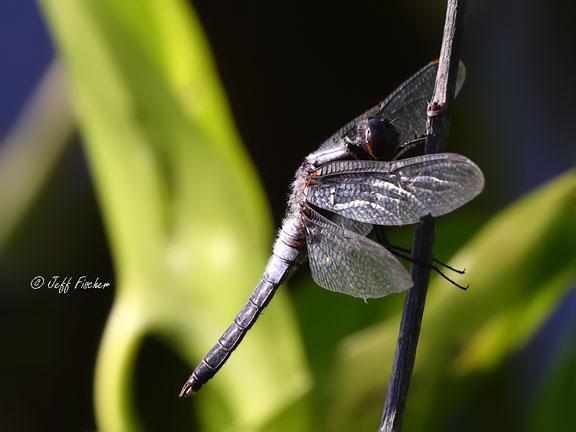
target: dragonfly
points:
(358, 178)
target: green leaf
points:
(187, 224)
(554, 408)
(519, 266)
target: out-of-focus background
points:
(292, 74)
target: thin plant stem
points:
(437, 128)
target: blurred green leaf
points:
(187, 223)
(554, 409)
(519, 266)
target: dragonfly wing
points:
(395, 193)
(346, 262)
(360, 228)
(405, 108)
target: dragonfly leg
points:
(406, 254)
(408, 146)
(431, 267)
(393, 248)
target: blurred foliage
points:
(181, 203)
(554, 409)
(161, 145)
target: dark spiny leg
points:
(394, 248)
(431, 267)
(410, 145)
(406, 254)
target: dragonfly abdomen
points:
(287, 250)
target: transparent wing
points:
(345, 262)
(406, 107)
(360, 228)
(395, 193)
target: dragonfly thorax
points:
(378, 137)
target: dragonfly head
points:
(378, 137)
